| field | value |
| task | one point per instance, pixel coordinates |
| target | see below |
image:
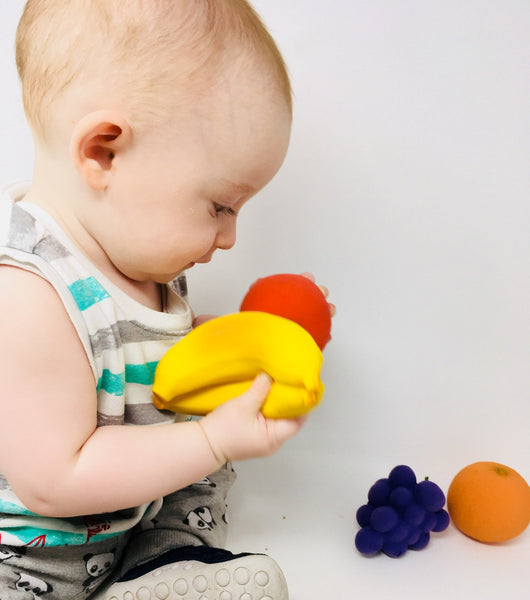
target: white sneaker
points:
(202, 573)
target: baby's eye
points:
(225, 210)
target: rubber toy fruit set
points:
(400, 514)
(272, 333)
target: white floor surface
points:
(300, 505)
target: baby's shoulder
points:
(29, 305)
(37, 334)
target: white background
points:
(406, 191)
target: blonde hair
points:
(138, 48)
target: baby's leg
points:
(181, 553)
(194, 516)
(56, 573)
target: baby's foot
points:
(202, 573)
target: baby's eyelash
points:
(226, 210)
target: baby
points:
(154, 122)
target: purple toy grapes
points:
(413, 514)
(402, 475)
(400, 496)
(369, 541)
(442, 521)
(400, 514)
(364, 513)
(378, 494)
(383, 519)
(429, 495)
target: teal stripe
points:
(11, 508)
(87, 292)
(30, 536)
(144, 374)
(112, 383)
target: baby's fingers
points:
(285, 429)
(324, 290)
(311, 277)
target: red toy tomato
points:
(293, 297)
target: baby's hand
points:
(324, 290)
(200, 319)
(237, 429)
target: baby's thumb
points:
(259, 390)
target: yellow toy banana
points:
(219, 360)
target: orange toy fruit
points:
(293, 297)
(489, 502)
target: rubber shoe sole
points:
(252, 577)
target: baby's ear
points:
(96, 141)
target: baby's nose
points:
(226, 236)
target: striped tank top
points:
(123, 340)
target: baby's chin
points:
(168, 278)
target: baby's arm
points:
(56, 459)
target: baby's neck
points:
(56, 200)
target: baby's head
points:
(143, 57)
(154, 121)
